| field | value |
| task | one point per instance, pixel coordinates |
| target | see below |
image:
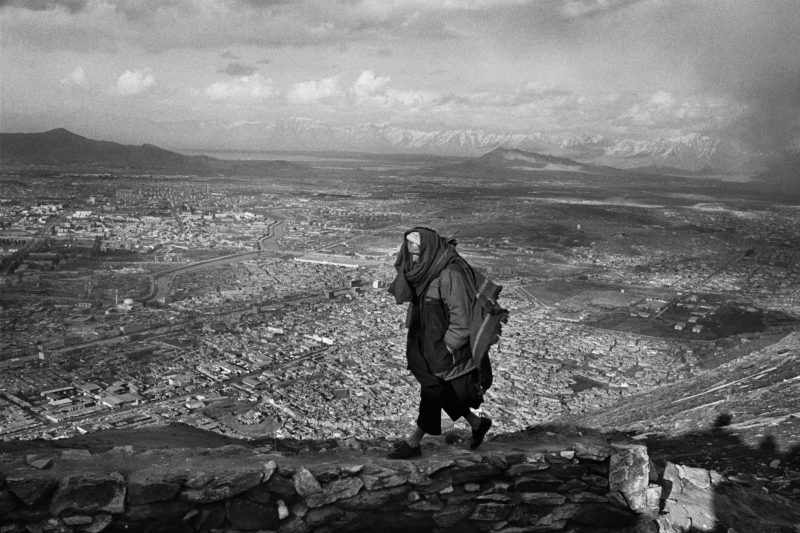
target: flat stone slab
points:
(90, 493)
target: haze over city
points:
(207, 75)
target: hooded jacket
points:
(453, 316)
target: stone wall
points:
(516, 485)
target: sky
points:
(645, 69)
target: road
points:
(34, 244)
(159, 283)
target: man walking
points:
(448, 303)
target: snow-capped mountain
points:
(389, 138)
(689, 152)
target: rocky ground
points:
(741, 418)
(546, 478)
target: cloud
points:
(314, 91)
(418, 99)
(673, 114)
(170, 24)
(663, 99)
(368, 92)
(246, 88)
(747, 54)
(574, 9)
(51, 26)
(368, 84)
(372, 92)
(643, 65)
(264, 3)
(71, 6)
(133, 82)
(547, 108)
(76, 79)
(238, 69)
(738, 58)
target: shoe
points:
(478, 434)
(403, 450)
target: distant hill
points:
(60, 147)
(63, 149)
(514, 159)
(512, 162)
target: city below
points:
(255, 304)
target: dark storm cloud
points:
(744, 51)
(752, 55)
(142, 10)
(772, 119)
(59, 37)
(227, 54)
(71, 6)
(238, 69)
(172, 24)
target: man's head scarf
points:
(412, 279)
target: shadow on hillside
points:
(760, 490)
(722, 449)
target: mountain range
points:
(692, 152)
(64, 149)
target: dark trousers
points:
(435, 396)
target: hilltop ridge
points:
(741, 417)
(61, 148)
(549, 478)
(734, 389)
